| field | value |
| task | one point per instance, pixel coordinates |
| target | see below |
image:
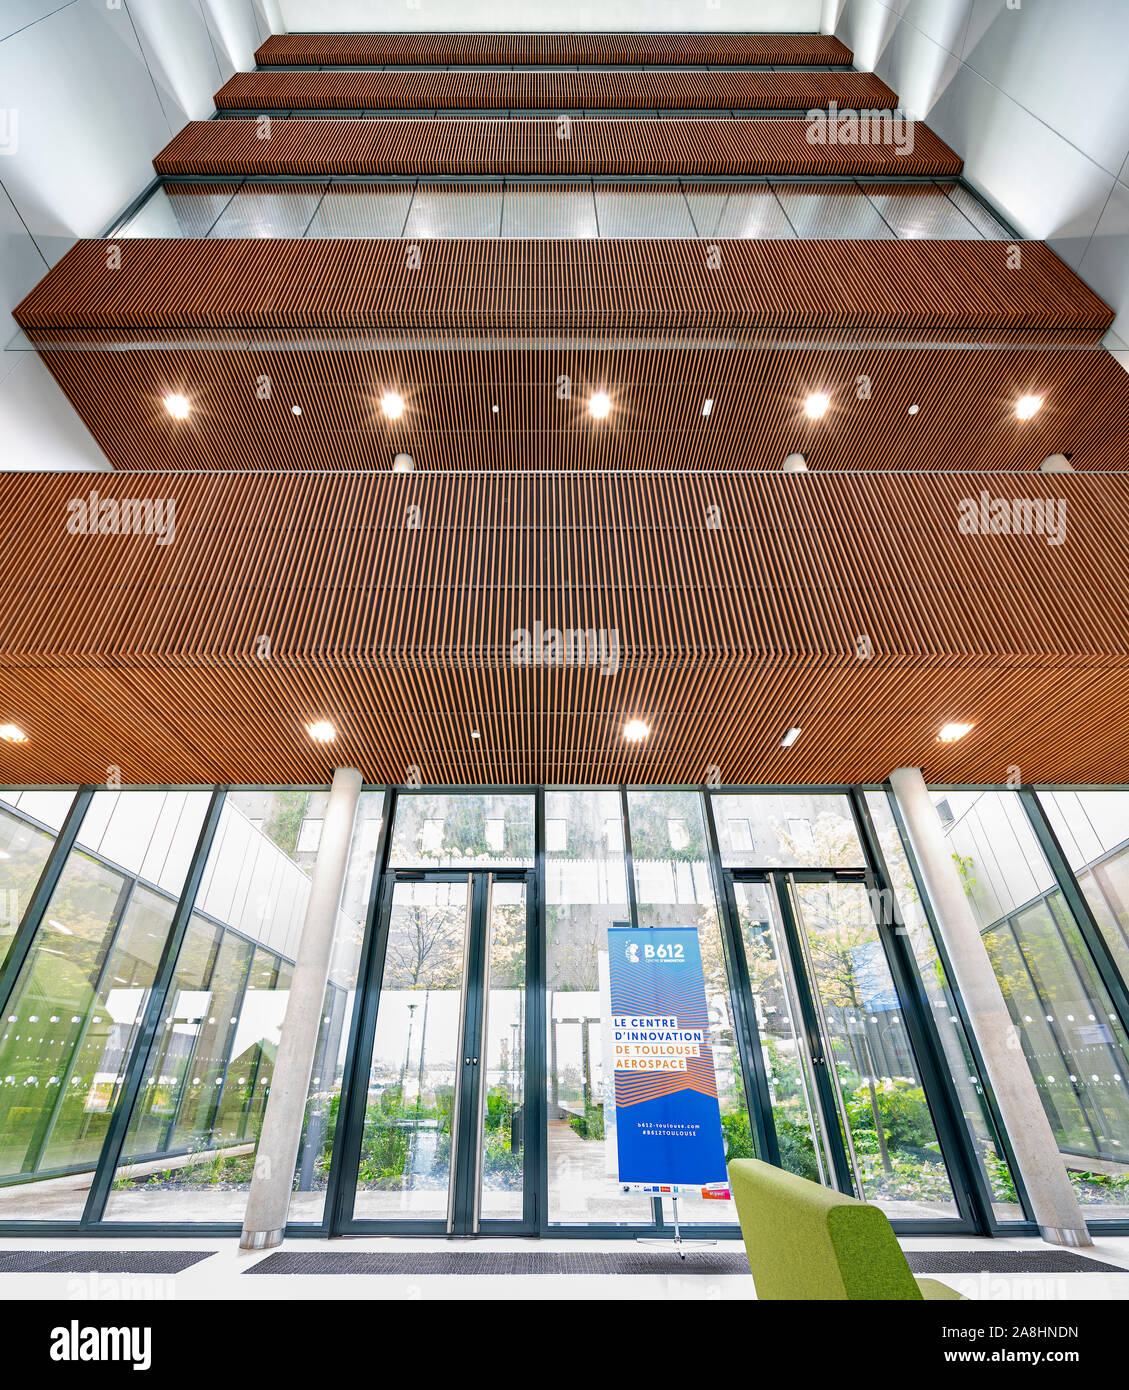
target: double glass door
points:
(442, 1142)
(841, 1096)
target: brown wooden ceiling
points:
(916, 290)
(558, 91)
(601, 145)
(966, 418)
(323, 50)
(739, 600)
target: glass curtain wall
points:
(189, 1151)
(958, 1053)
(804, 935)
(73, 1014)
(1072, 1037)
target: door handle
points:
(468, 1061)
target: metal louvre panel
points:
(320, 50)
(728, 632)
(419, 91)
(918, 290)
(484, 146)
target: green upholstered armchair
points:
(806, 1242)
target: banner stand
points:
(675, 1240)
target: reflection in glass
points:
(882, 1111)
(966, 1081)
(438, 830)
(24, 849)
(69, 1025)
(764, 830)
(405, 1166)
(674, 888)
(190, 1146)
(585, 893)
(1071, 1036)
(503, 1105)
(791, 1084)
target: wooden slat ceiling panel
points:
(322, 50)
(601, 145)
(559, 91)
(965, 420)
(117, 651)
(917, 289)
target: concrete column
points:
(273, 1178)
(1053, 1203)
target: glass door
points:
(837, 1073)
(439, 1144)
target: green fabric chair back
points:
(806, 1242)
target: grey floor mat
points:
(99, 1261)
(469, 1262)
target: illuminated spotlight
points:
(1056, 463)
(790, 737)
(913, 410)
(392, 405)
(1027, 406)
(11, 733)
(494, 408)
(707, 406)
(297, 409)
(475, 734)
(600, 406)
(178, 407)
(321, 731)
(795, 463)
(951, 732)
(635, 731)
(817, 405)
(403, 463)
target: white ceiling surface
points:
(1035, 98)
(552, 16)
(89, 93)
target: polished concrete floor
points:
(221, 1275)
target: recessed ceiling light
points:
(11, 733)
(795, 463)
(392, 405)
(951, 732)
(321, 731)
(600, 406)
(475, 734)
(403, 463)
(707, 406)
(178, 407)
(913, 410)
(1027, 406)
(634, 731)
(816, 405)
(297, 409)
(790, 737)
(494, 408)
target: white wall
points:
(1035, 98)
(90, 91)
(548, 16)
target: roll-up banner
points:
(668, 1124)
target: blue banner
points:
(668, 1125)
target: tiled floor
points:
(221, 1276)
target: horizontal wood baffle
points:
(600, 145)
(391, 602)
(324, 50)
(556, 91)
